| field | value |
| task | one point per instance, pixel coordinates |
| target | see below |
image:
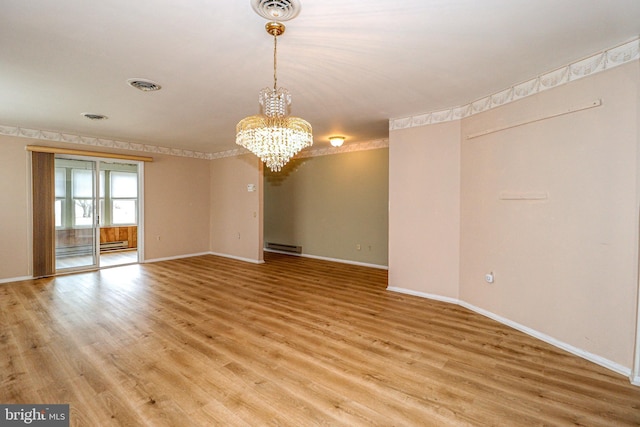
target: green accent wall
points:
(334, 206)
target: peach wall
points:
(565, 265)
(236, 214)
(176, 207)
(424, 209)
(550, 207)
(15, 223)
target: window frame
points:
(105, 207)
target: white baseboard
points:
(424, 295)
(606, 363)
(599, 360)
(253, 261)
(16, 279)
(342, 261)
(148, 261)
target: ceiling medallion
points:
(276, 10)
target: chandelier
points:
(274, 135)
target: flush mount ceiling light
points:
(144, 85)
(274, 135)
(276, 10)
(92, 116)
(336, 141)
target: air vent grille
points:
(276, 10)
(144, 85)
(93, 116)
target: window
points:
(118, 195)
(124, 197)
(82, 189)
(61, 194)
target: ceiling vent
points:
(144, 85)
(92, 116)
(276, 10)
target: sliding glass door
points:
(76, 242)
(96, 213)
(119, 213)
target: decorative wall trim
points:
(132, 146)
(598, 360)
(228, 153)
(98, 142)
(316, 152)
(593, 64)
(347, 148)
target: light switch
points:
(251, 188)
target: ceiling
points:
(350, 65)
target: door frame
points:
(98, 160)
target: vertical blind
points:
(43, 188)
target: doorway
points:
(97, 213)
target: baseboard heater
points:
(284, 248)
(113, 246)
(73, 250)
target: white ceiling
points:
(350, 65)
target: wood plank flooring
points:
(211, 341)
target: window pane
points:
(124, 212)
(101, 217)
(101, 184)
(124, 184)
(61, 182)
(58, 210)
(83, 212)
(82, 183)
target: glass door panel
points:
(75, 214)
(119, 200)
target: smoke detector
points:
(144, 85)
(276, 10)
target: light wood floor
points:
(212, 341)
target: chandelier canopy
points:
(274, 135)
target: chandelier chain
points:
(275, 61)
